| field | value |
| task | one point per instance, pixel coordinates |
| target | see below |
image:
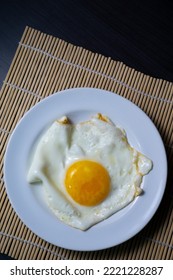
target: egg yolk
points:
(87, 182)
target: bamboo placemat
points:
(44, 65)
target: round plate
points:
(80, 104)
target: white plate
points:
(79, 104)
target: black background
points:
(138, 33)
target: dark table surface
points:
(138, 33)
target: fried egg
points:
(88, 170)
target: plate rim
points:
(86, 90)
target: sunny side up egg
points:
(88, 170)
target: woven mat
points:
(44, 65)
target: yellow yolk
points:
(87, 182)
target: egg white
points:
(98, 140)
